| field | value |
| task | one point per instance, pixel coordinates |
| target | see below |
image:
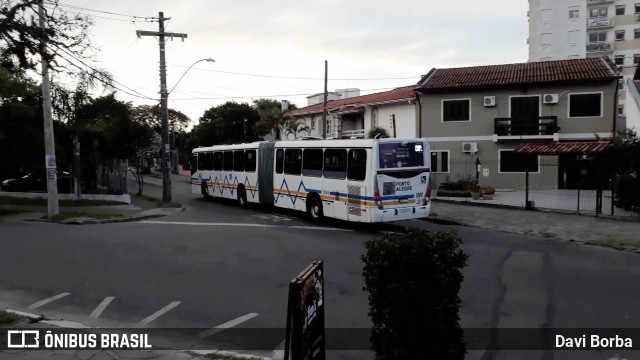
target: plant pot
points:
(475, 195)
(487, 197)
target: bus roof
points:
(339, 143)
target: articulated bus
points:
(362, 180)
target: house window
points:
(313, 123)
(546, 15)
(637, 7)
(545, 39)
(573, 37)
(598, 36)
(598, 12)
(619, 35)
(513, 162)
(619, 59)
(456, 110)
(636, 33)
(620, 9)
(440, 161)
(585, 105)
(374, 117)
(574, 12)
(636, 57)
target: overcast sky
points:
(388, 43)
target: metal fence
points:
(541, 190)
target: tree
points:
(66, 33)
(620, 162)
(148, 147)
(229, 123)
(151, 115)
(378, 132)
(272, 119)
(295, 127)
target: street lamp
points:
(164, 95)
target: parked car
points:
(37, 182)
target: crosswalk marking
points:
(47, 300)
(159, 313)
(103, 305)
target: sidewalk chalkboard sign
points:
(305, 338)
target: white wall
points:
(559, 27)
(405, 118)
(632, 106)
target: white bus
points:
(363, 180)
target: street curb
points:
(442, 221)
(469, 203)
(26, 314)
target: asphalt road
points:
(215, 263)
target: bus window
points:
(206, 161)
(312, 162)
(279, 161)
(292, 161)
(335, 163)
(217, 160)
(401, 155)
(193, 165)
(250, 161)
(238, 160)
(227, 164)
(357, 166)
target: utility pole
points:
(164, 94)
(49, 141)
(326, 94)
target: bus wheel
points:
(314, 208)
(242, 197)
(204, 189)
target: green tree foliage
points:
(378, 132)
(225, 124)
(413, 279)
(272, 119)
(295, 127)
(152, 116)
(67, 33)
(621, 162)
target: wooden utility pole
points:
(164, 94)
(49, 140)
(326, 94)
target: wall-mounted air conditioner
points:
(470, 147)
(489, 101)
(550, 99)
(637, 17)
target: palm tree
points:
(296, 126)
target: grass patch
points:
(619, 244)
(8, 318)
(156, 201)
(229, 357)
(9, 200)
(76, 214)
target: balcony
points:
(600, 22)
(347, 134)
(599, 47)
(544, 126)
(599, 2)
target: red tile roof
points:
(381, 97)
(521, 73)
(575, 147)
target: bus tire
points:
(314, 207)
(242, 197)
(204, 189)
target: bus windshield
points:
(401, 155)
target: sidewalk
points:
(567, 227)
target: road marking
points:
(103, 305)
(317, 228)
(228, 324)
(47, 300)
(205, 224)
(159, 313)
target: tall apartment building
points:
(573, 29)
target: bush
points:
(462, 184)
(453, 193)
(378, 130)
(413, 279)
(488, 190)
(627, 190)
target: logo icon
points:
(21, 339)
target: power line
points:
(146, 18)
(267, 96)
(302, 78)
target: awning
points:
(556, 148)
(348, 110)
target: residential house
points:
(475, 117)
(632, 88)
(355, 116)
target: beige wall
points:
(629, 19)
(629, 44)
(482, 118)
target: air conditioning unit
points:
(550, 98)
(637, 17)
(470, 147)
(489, 101)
